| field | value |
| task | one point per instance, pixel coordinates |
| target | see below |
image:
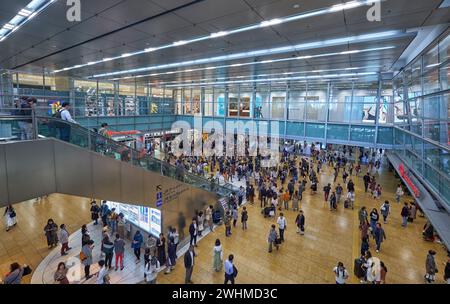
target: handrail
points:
(95, 140)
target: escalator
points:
(90, 165)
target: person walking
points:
(10, 217)
(364, 245)
(200, 223)
(362, 215)
(300, 222)
(326, 191)
(102, 273)
(137, 244)
(338, 190)
(151, 270)
(405, 214)
(230, 273)
(119, 250)
(412, 212)
(51, 233)
(60, 275)
(244, 218)
(341, 273)
(385, 210)
(217, 256)
(273, 238)
(333, 203)
(86, 257)
(95, 210)
(374, 217)
(430, 267)
(108, 251)
(193, 232)
(366, 179)
(351, 199)
(282, 225)
(379, 236)
(189, 262)
(64, 239)
(383, 273)
(295, 201)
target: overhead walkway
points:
(91, 165)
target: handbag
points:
(235, 271)
(12, 213)
(26, 270)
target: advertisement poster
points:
(147, 219)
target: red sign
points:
(405, 176)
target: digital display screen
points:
(146, 218)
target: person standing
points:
(333, 203)
(230, 272)
(119, 250)
(193, 231)
(379, 236)
(341, 273)
(351, 199)
(272, 238)
(200, 223)
(102, 273)
(51, 233)
(136, 245)
(227, 223)
(10, 217)
(171, 255)
(217, 256)
(64, 129)
(95, 210)
(430, 266)
(338, 191)
(173, 234)
(244, 218)
(398, 193)
(161, 249)
(112, 218)
(104, 212)
(412, 212)
(300, 222)
(189, 262)
(405, 214)
(60, 275)
(151, 270)
(364, 245)
(385, 210)
(108, 250)
(295, 201)
(383, 273)
(235, 215)
(209, 217)
(64, 239)
(362, 215)
(86, 257)
(281, 221)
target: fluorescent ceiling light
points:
(266, 52)
(24, 15)
(107, 59)
(344, 6)
(147, 50)
(219, 34)
(181, 42)
(274, 21)
(8, 26)
(271, 22)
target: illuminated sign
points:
(405, 176)
(147, 219)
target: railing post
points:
(34, 123)
(89, 140)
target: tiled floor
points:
(330, 237)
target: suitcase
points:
(216, 217)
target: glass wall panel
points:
(209, 99)
(385, 136)
(340, 103)
(339, 132)
(362, 134)
(245, 98)
(296, 110)
(316, 102)
(364, 102)
(219, 99)
(233, 101)
(196, 104)
(187, 101)
(262, 104)
(315, 130)
(278, 100)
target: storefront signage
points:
(405, 176)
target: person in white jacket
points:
(373, 268)
(151, 270)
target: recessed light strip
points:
(266, 23)
(23, 16)
(265, 52)
(276, 79)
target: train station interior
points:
(213, 141)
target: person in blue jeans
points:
(385, 210)
(374, 216)
(379, 236)
(137, 244)
(405, 215)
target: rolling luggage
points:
(358, 269)
(216, 217)
(346, 203)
